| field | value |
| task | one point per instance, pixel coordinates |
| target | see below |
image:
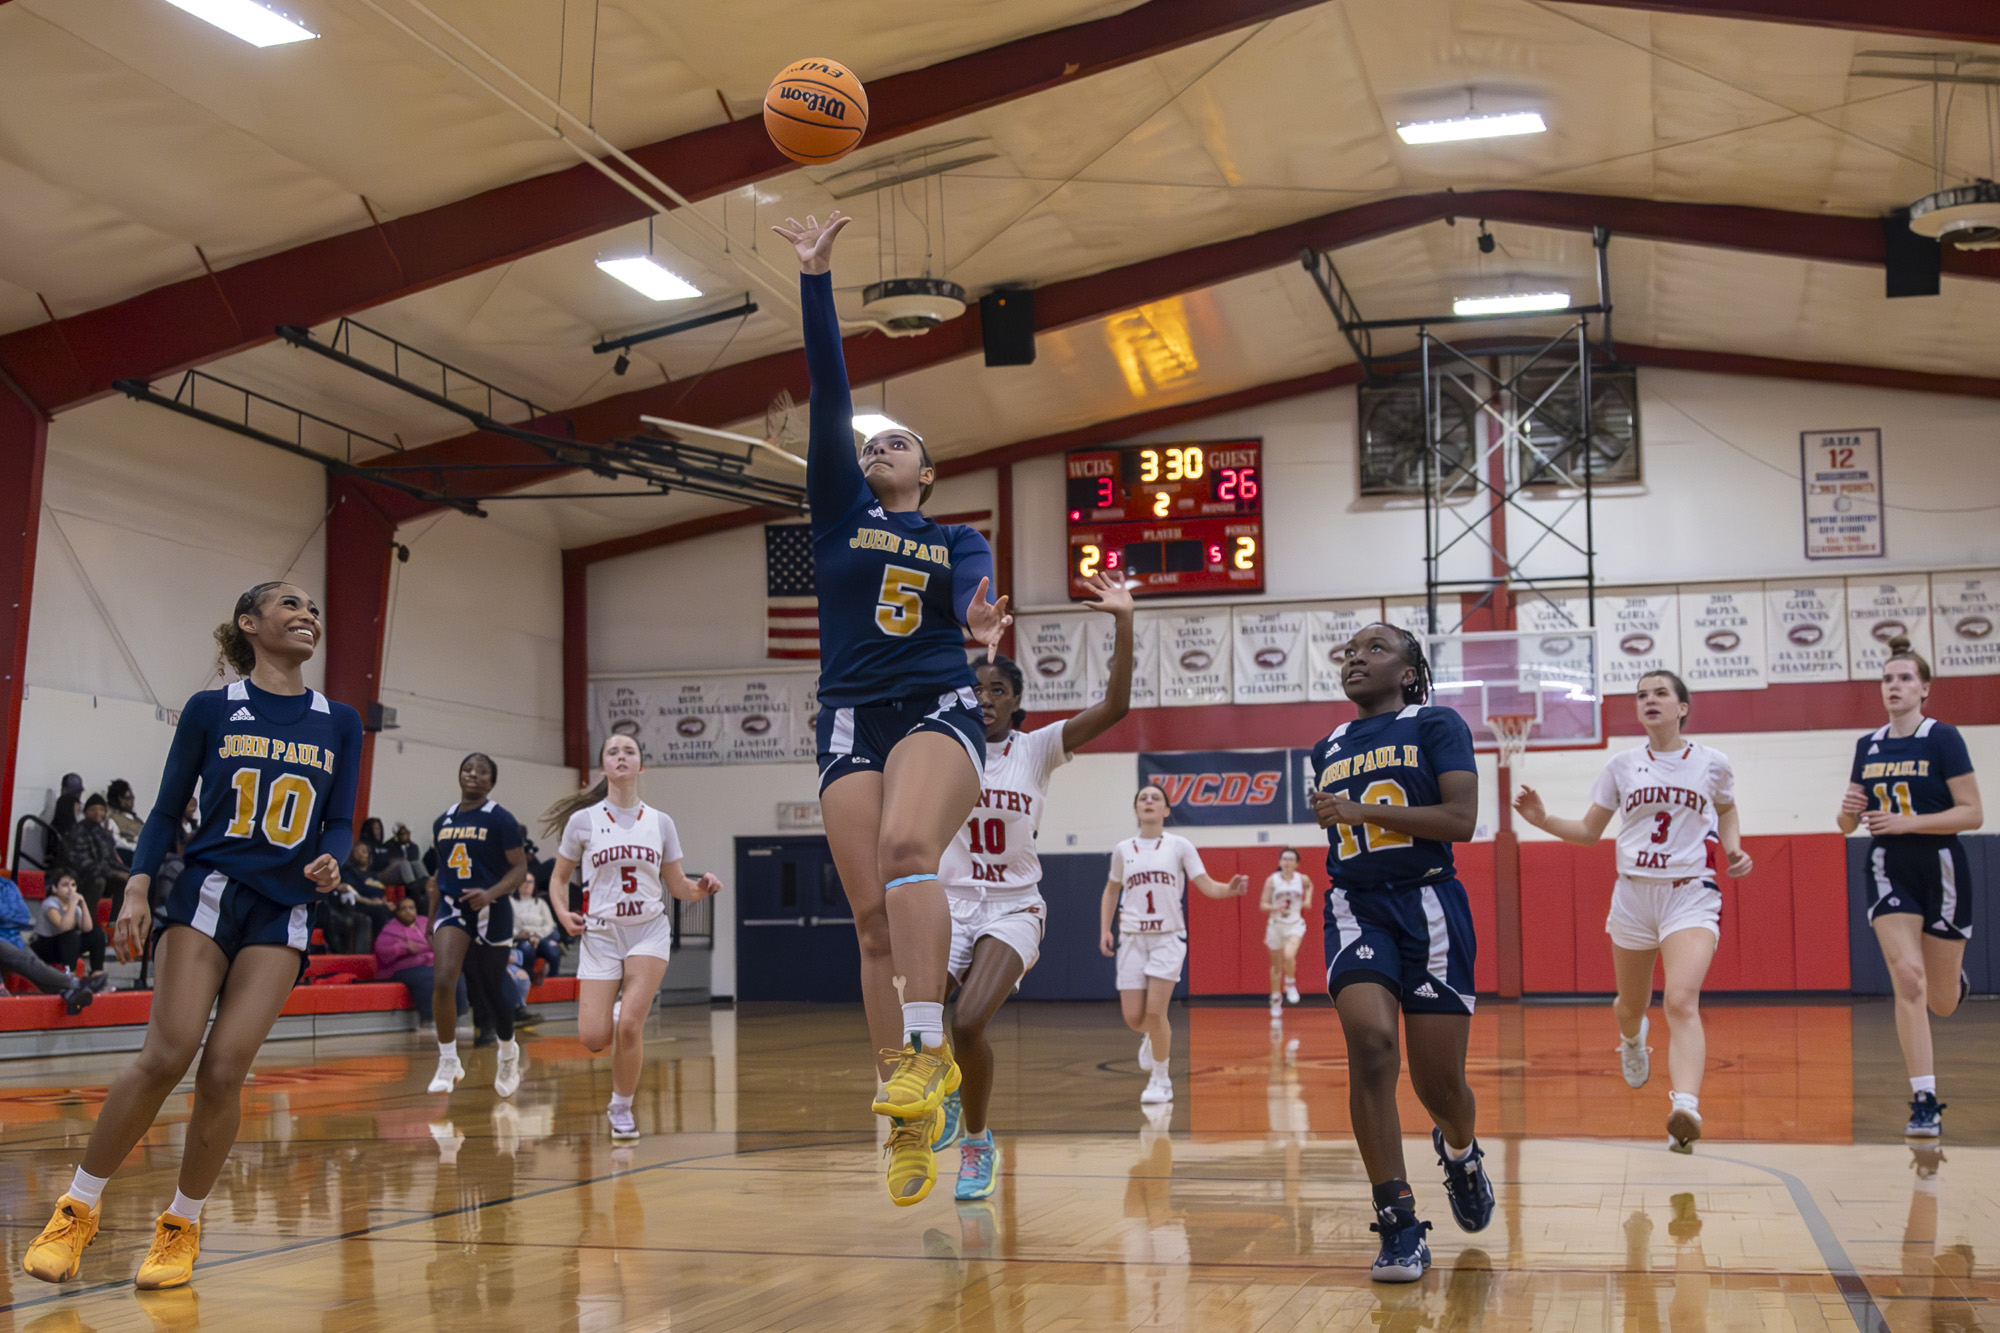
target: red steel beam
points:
(187, 323)
(360, 541)
(1932, 20)
(24, 440)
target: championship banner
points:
(1805, 631)
(1194, 657)
(1101, 638)
(1212, 787)
(1877, 611)
(1050, 649)
(1412, 614)
(1967, 609)
(1328, 628)
(1270, 655)
(1551, 613)
(1641, 633)
(1840, 481)
(1722, 636)
(702, 720)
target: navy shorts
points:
(858, 740)
(1414, 939)
(491, 924)
(1924, 877)
(236, 916)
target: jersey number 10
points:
(287, 811)
(995, 842)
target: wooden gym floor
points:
(355, 1202)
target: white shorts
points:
(1142, 956)
(1278, 930)
(1017, 920)
(606, 946)
(1646, 911)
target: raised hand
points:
(814, 239)
(987, 620)
(1113, 595)
(1528, 805)
(1239, 885)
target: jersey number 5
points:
(899, 609)
(287, 813)
(1373, 837)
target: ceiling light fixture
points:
(870, 424)
(1511, 304)
(1472, 127)
(252, 23)
(644, 276)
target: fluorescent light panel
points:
(1472, 127)
(251, 22)
(871, 424)
(1510, 304)
(647, 278)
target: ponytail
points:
(235, 652)
(556, 817)
(1901, 650)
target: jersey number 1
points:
(287, 812)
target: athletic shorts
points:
(491, 924)
(1277, 931)
(606, 946)
(1143, 956)
(236, 916)
(1416, 940)
(858, 740)
(1924, 877)
(1017, 920)
(1646, 911)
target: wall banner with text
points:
(1213, 787)
(1050, 649)
(1840, 477)
(1805, 631)
(1878, 611)
(1966, 624)
(1271, 666)
(1195, 652)
(722, 719)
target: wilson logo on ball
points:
(1636, 645)
(1806, 635)
(1194, 659)
(834, 107)
(1051, 666)
(1886, 630)
(755, 724)
(1271, 658)
(691, 726)
(1723, 641)
(1973, 627)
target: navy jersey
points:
(893, 588)
(278, 774)
(472, 847)
(1390, 759)
(1908, 775)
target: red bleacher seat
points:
(104, 913)
(33, 884)
(353, 966)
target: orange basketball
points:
(816, 111)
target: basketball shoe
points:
(950, 1126)
(1926, 1117)
(1404, 1255)
(1635, 1057)
(449, 1072)
(1467, 1184)
(1683, 1124)
(912, 1164)
(170, 1262)
(56, 1254)
(922, 1078)
(975, 1166)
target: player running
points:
(1287, 895)
(1913, 788)
(993, 875)
(1146, 901)
(277, 764)
(1672, 796)
(481, 860)
(631, 855)
(1394, 789)
(901, 746)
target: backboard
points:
(1551, 675)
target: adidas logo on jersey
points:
(243, 715)
(1426, 992)
(1364, 951)
(876, 512)
(1874, 749)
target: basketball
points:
(816, 111)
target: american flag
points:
(791, 598)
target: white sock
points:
(86, 1188)
(507, 1049)
(1457, 1154)
(925, 1020)
(183, 1206)
(1924, 1083)
(619, 1103)
(1684, 1101)
(447, 1050)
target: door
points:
(794, 932)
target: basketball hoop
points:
(1510, 736)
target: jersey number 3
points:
(287, 812)
(899, 608)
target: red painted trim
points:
(360, 543)
(1933, 20)
(1825, 372)
(24, 438)
(576, 663)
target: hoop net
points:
(1510, 735)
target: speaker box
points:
(1913, 262)
(1007, 326)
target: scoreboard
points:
(1172, 518)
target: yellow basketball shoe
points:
(56, 1254)
(912, 1161)
(922, 1078)
(170, 1263)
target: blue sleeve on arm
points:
(336, 837)
(176, 786)
(971, 561)
(511, 835)
(1448, 740)
(833, 473)
(1954, 760)
(1860, 757)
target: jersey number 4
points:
(1355, 840)
(287, 810)
(899, 608)
(460, 860)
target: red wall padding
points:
(1784, 927)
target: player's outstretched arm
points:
(1583, 832)
(1115, 599)
(1235, 887)
(833, 472)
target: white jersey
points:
(1288, 897)
(1155, 873)
(621, 852)
(1667, 805)
(994, 852)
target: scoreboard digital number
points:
(1172, 518)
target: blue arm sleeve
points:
(176, 786)
(971, 561)
(1860, 757)
(1954, 760)
(833, 473)
(1448, 741)
(336, 837)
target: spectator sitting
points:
(406, 846)
(66, 929)
(403, 952)
(91, 850)
(535, 935)
(389, 861)
(126, 822)
(63, 818)
(356, 909)
(16, 958)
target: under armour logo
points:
(1364, 952)
(243, 715)
(1426, 991)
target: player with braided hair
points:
(1394, 789)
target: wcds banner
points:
(1214, 787)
